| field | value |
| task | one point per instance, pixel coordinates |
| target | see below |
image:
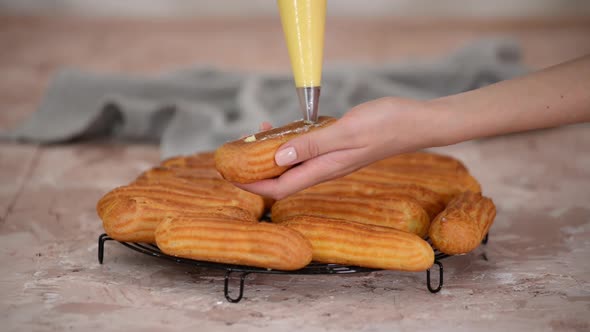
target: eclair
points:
(207, 195)
(402, 214)
(202, 182)
(427, 199)
(261, 245)
(252, 158)
(134, 218)
(426, 161)
(180, 172)
(344, 242)
(461, 227)
(194, 161)
(446, 184)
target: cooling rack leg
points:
(440, 278)
(484, 242)
(485, 239)
(101, 240)
(226, 287)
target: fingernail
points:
(286, 156)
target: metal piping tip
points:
(309, 98)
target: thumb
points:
(311, 145)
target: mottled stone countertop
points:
(536, 278)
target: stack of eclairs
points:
(380, 216)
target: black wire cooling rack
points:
(244, 271)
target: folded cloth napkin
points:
(198, 109)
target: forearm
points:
(552, 97)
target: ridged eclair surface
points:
(135, 218)
(252, 158)
(262, 245)
(195, 175)
(208, 187)
(461, 227)
(401, 214)
(194, 161)
(195, 182)
(428, 200)
(446, 184)
(343, 242)
(189, 174)
(423, 160)
(213, 196)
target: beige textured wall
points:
(436, 8)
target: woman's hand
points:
(388, 126)
(369, 132)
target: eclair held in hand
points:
(252, 158)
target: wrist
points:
(447, 124)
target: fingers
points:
(265, 126)
(309, 173)
(313, 144)
(266, 188)
(322, 154)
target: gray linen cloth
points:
(198, 109)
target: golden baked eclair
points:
(193, 175)
(207, 195)
(401, 214)
(252, 158)
(206, 187)
(428, 200)
(446, 184)
(190, 177)
(178, 172)
(262, 245)
(194, 161)
(135, 218)
(461, 227)
(427, 161)
(344, 242)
